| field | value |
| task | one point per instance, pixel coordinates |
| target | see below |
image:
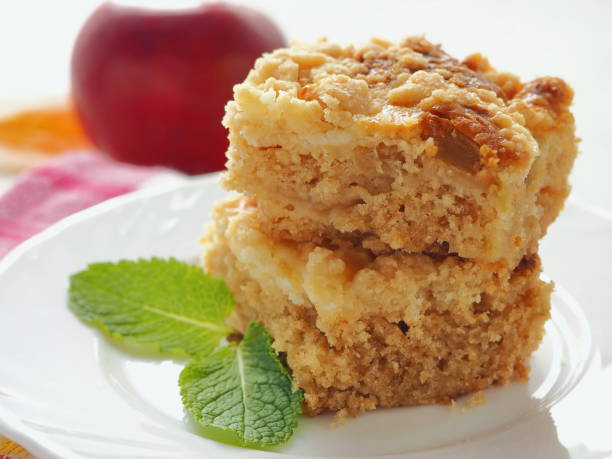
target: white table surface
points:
(571, 39)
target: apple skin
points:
(150, 86)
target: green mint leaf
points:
(243, 389)
(164, 304)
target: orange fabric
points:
(50, 130)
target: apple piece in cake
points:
(361, 331)
(405, 143)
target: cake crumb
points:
(340, 418)
(477, 399)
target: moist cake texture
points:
(402, 143)
(361, 331)
(391, 202)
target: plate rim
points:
(12, 428)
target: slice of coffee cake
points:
(361, 330)
(403, 143)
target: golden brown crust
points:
(510, 84)
(467, 138)
(467, 125)
(432, 58)
(549, 92)
(378, 76)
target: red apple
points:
(150, 86)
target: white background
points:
(572, 40)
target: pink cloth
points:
(61, 187)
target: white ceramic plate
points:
(66, 392)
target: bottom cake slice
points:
(361, 330)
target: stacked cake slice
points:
(392, 201)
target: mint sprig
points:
(174, 307)
(166, 304)
(244, 389)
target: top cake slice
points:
(402, 145)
